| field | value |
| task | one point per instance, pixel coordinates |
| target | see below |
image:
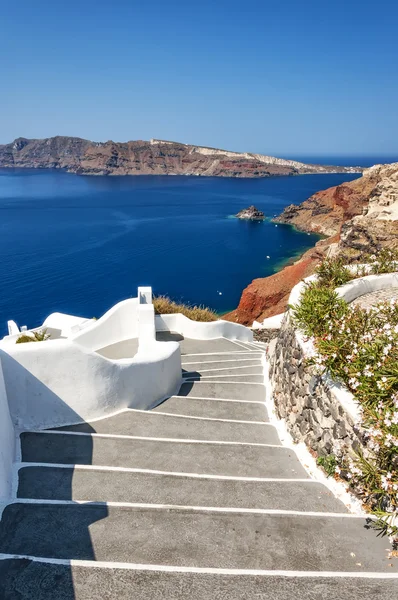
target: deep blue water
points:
(364, 160)
(80, 244)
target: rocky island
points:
(251, 214)
(154, 157)
(356, 217)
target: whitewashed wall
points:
(7, 443)
(366, 285)
(203, 331)
(117, 324)
(51, 384)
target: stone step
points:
(57, 483)
(189, 538)
(232, 391)
(33, 580)
(244, 363)
(182, 457)
(216, 409)
(227, 378)
(153, 424)
(190, 346)
(224, 372)
(252, 346)
(220, 357)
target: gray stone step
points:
(28, 580)
(54, 483)
(220, 357)
(225, 372)
(251, 346)
(233, 390)
(189, 346)
(152, 424)
(181, 457)
(227, 378)
(193, 538)
(216, 409)
(226, 364)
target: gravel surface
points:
(369, 300)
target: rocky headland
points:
(154, 157)
(356, 217)
(251, 214)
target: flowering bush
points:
(359, 347)
(384, 262)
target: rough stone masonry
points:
(305, 401)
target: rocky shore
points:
(358, 216)
(154, 157)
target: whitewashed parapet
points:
(50, 384)
(145, 295)
(179, 323)
(66, 381)
(366, 285)
(119, 323)
(7, 444)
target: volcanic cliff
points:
(155, 157)
(359, 216)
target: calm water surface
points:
(79, 244)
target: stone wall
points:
(306, 402)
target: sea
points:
(79, 244)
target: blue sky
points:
(288, 78)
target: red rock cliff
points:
(361, 216)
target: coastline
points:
(294, 258)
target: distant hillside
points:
(154, 157)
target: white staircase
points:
(196, 499)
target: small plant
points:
(164, 306)
(332, 272)
(385, 523)
(329, 464)
(33, 336)
(318, 306)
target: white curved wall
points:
(117, 324)
(66, 324)
(50, 384)
(203, 331)
(366, 285)
(7, 443)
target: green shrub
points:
(164, 306)
(318, 305)
(333, 272)
(33, 336)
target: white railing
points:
(179, 323)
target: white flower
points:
(388, 440)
